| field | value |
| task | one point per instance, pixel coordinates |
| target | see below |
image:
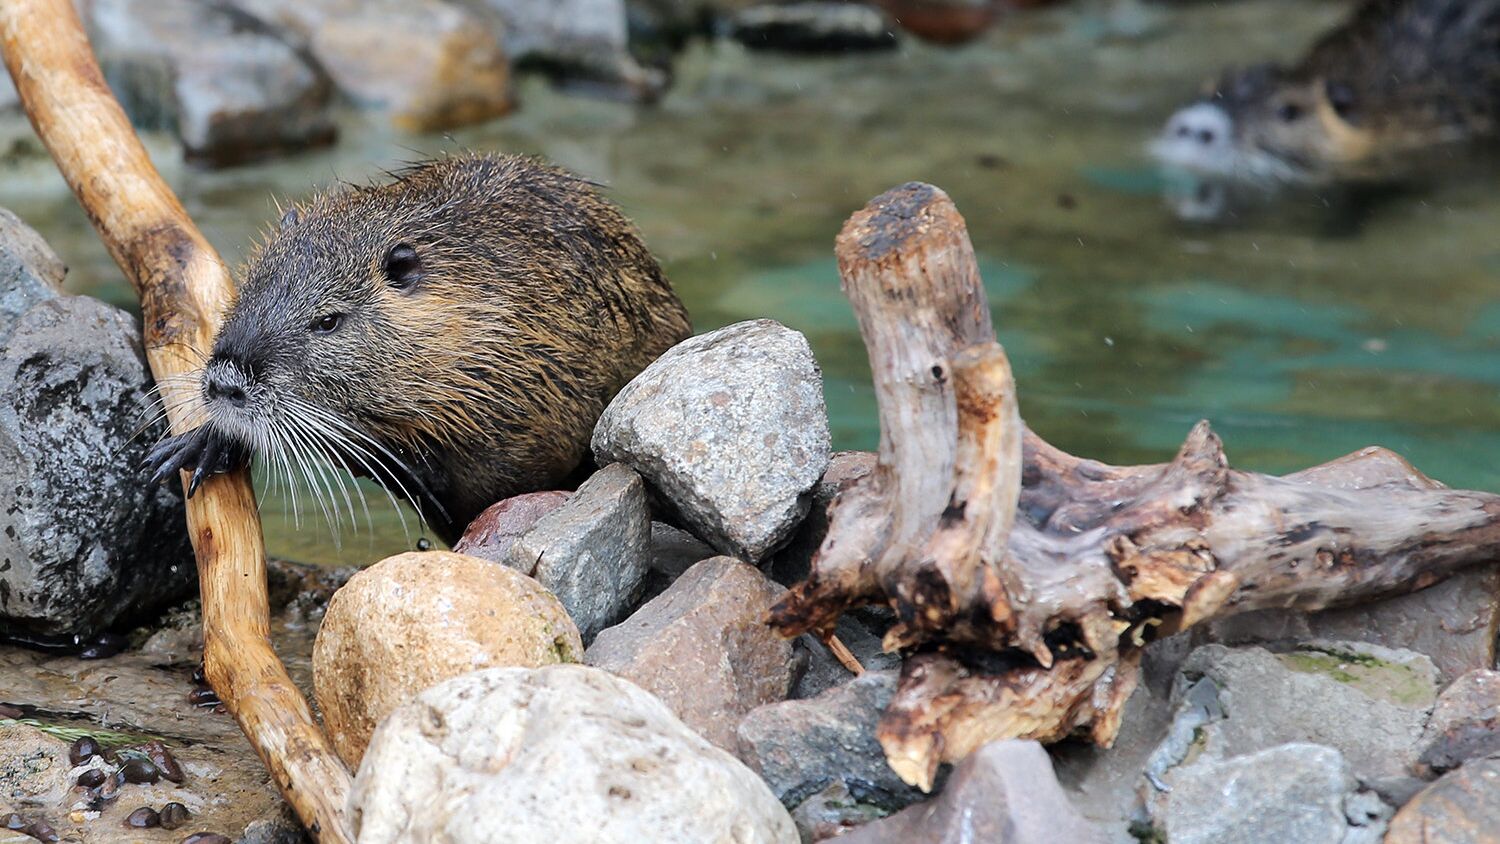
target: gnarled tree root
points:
(1027, 581)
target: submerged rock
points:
(703, 648)
(85, 540)
(813, 27)
(231, 92)
(1465, 723)
(1295, 793)
(584, 40)
(801, 746)
(559, 754)
(730, 427)
(416, 619)
(1003, 792)
(593, 551)
(429, 64)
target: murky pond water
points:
(1304, 328)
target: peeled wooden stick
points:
(184, 288)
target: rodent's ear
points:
(403, 266)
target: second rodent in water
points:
(1398, 77)
(454, 334)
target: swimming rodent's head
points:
(1264, 125)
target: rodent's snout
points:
(1197, 138)
(225, 382)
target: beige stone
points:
(414, 620)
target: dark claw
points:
(201, 450)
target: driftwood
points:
(184, 287)
(1027, 581)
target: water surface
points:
(1303, 329)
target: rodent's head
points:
(1264, 125)
(349, 324)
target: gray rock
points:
(1368, 703)
(30, 272)
(452, 69)
(592, 552)
(1453, 622)
(799, 747)
(578, 39)
(832, 812)
(822, 670)
(814, 27)
(560, 754)
(674, 551)
(84, 539)
(703, 647)
(730, 427)
(1293, 794)
(1465, 723)
(1003, 792)
(230, 90)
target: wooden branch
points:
(184, 288)
(1027, 581)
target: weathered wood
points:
(1026, 586)
(184, 288)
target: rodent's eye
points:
(1289, 112)
(403, 268)
(327, 324)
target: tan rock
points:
(703, 647)
(413, 620)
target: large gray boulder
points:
(84, 539)
(229, 88)
(558, 754)
(730, 427)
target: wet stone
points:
(164, 761)
(207, 838)
(143, 818)
(593, 551)
(703, 647)
(575, 40)
(730, 428)
(84, 749)
(813, 27)
(493, 532)
(92, 778)
(1463, 807)
(139, 771)
(174, 815)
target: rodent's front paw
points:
(201, 449)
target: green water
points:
(1304, 329)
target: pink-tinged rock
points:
(493, 532)
(703, 647)
(1465, 723)
(1461, 808)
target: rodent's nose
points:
(1204, 124)
(219, 388)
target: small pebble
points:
(203, 697)
(107, 645)
(174, 815)
(92, 778)
(164, 761)
(143, 818)
(13, 822)
(42, 831)
(207, 838)
(83, 750)
(140, 771)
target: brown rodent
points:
(1396, 78)
(454, 334)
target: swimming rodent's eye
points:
(327, 324)
(403, 268)
(1289, 112)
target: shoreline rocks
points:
(483, 757)
(416, 619)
